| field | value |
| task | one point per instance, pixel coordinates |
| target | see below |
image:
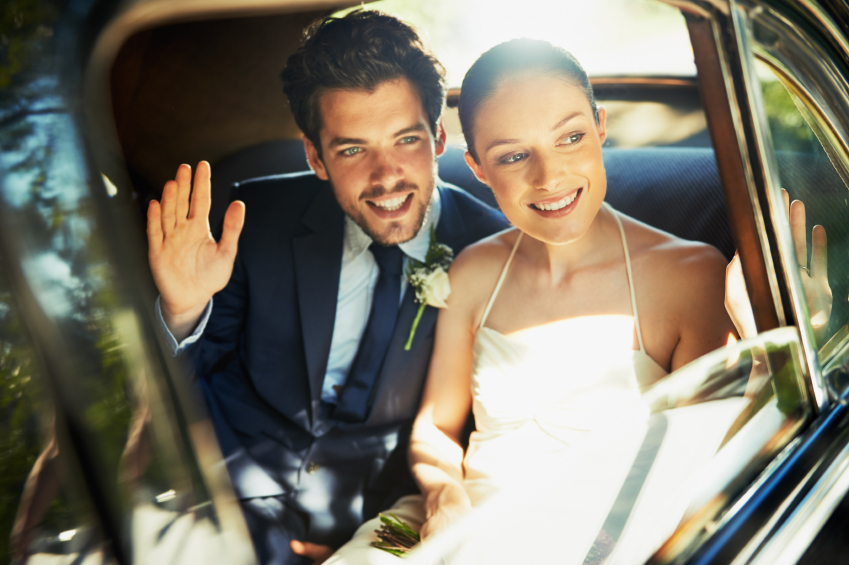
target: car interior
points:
(201, 83)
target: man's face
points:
(379, 154)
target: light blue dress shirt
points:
(353, 303)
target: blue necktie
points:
(354, 401)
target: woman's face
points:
(540, 151)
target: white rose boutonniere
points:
(429, 280)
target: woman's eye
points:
(350, 151)
(515, 158)
(572, 139)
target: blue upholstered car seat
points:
(673, 189)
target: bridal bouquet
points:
(429, 280)
(396, 536)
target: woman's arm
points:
(435, 455)
(703, 321)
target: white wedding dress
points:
(565, 439)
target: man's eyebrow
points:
(411, 129)
(337, 141)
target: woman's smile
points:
(541, 155)
(557, 206)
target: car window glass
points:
(719, 422)
(808, 174)
(44, 507)
(68, 306)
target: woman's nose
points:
(386, 170)
(547, 172)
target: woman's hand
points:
(442, 507)
(814, 279)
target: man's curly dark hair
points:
(359, 51)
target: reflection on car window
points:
(713, 427)
(43, 507)
(114, 450)
(808, 175)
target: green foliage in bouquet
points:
(396, 536)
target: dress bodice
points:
(564, 389)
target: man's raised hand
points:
(188, 265)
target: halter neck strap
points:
(501, 279)
(630, 275)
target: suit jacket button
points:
(312, 467)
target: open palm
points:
(188, 265)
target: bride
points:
(553, 326)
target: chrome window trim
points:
(780, 222)
(811, 84)
(796, 533)
(745, 151)
(763, 533)
(713, 40)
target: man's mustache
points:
(379, 190)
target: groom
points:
(300, 352)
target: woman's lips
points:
(391, 208)
(555, 208)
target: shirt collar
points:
(357, 241)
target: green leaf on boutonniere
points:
(429, 280)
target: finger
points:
(202, 192)
(799, 231)
(819, 252)
(234, 220)
(317, 552)
(154, 227)
(785, 196)
(169, 207)
(184, 188)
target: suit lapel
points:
(318, 262)
(394, 393)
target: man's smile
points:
(391, 206)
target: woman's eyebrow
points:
(565, 120)
(498, 142)
(555, 127)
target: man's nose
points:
(386, 169)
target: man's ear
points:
(475, 168)
(441, 137)
(315, 162)
(602, 119)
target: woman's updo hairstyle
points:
(510, 59)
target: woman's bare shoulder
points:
(666, 251)
(480, 264)
(686, 277)
(487, 253)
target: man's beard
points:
(388, 237)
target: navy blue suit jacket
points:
(262, 359)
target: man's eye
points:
(409, 139)
(515, 158)
(350, 151)
(572, 139)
